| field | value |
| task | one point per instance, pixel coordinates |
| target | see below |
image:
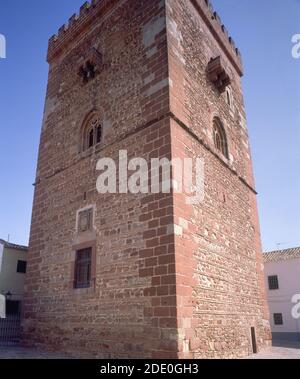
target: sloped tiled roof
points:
(282, 255)
(9, 245)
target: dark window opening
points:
(83, 266)
(90, 70)
(273, 282)
(13, 307)
(99, 134)
(87, 72)
(21, 267)
(278, 319)
(91, 138)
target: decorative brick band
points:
(207, 147)
(140, 128)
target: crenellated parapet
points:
(77, 23)
(214, 23)
(89, 11)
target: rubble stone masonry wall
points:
(219, 271)
(168, 279)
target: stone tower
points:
(145, 275)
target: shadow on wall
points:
(286, 344)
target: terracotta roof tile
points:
(9, 245)
(282, 255)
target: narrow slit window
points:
(99, 134)
(91, 138)
(228, 98)
(83, 267)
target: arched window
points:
(92, 132)
(220, 139)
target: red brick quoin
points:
(168, 279)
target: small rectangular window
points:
(273, 282)
(278, 319)
(21, 267)
(83, 266)
(13, 307)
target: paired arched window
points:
(220, 139)
(92, 132)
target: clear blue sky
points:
(262, 30)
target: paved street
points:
(285, 351)
(13, 352)
(290, 351)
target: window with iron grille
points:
(273, 282)
(21, 267)
(83, 266)
(278, 319)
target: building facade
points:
(13, 262)
(282, 274)
(149, 275)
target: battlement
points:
(90, 10)
(214, 23)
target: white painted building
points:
(13, 260)
(282, 274)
